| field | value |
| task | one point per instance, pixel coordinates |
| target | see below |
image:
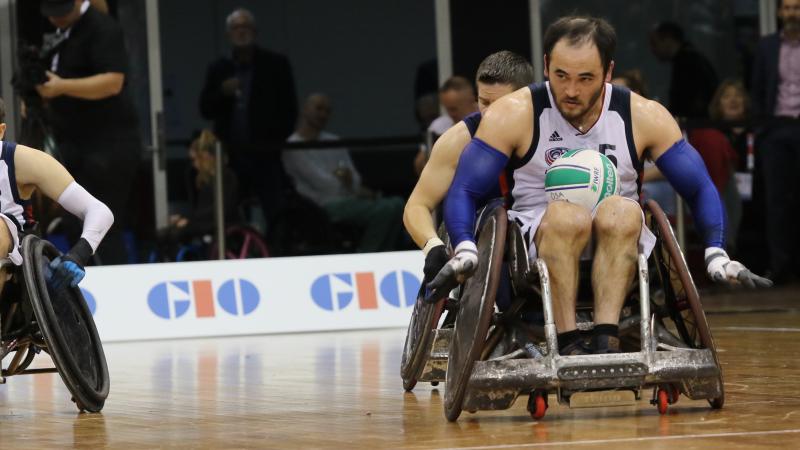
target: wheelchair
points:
(35, 317)
(493, 358)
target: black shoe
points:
(603, 343)
(576, 347)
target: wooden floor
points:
(343, 390)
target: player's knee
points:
(566, 220)
(5, 239)
(617, 216)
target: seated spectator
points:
(329, 178)
(200, 220)
(654, 185)
(729, 103)
(457, 97)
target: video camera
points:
(34, 62)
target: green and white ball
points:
(582, 176)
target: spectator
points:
(93, 120)
(200, 220)
(693, 78)
(730, 103)
(654, 185)
(250, 96)
(329, 178)
(457, 96)
(776, 94)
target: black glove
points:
(434, 261)
(69, 268)
(457, 269)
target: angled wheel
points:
(242, 242)
(424, 320)
(67, 327)
(682, 301)
(476, 308)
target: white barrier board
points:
(254, 296)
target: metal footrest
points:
(436, 367)
(596, 399)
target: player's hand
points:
(435, 259)
(458, 269)
(722, 270)
(50, 88)
(65, 270)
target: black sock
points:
(607, 329)
(564, 339)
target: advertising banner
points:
(253, 296)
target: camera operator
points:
(93, 120)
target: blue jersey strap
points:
(476, 177)
(685, 170)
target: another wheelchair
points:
(34, 317)
(493, 358)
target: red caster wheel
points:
(537, 403)
(662, 401)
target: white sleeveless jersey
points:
(11, 205)
(612, 135)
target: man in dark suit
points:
(251, 98)
(693, 80)
(776, 94)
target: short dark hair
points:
(505, 67)
(670, 30)
(2, 111)
(457, 83)
(580, 29)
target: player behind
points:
(578, 108)
(498, 74)
(24, 169)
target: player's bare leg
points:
(616, 229)
(561, 237)
(5, 246)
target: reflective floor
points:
(343, 390)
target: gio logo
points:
(336, 291)
(170, 300)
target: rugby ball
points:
(583, 176)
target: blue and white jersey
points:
(11, 205)
(611, 135)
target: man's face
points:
(241, 31)
(488, 93)
(317, 111)
(458, 103)
(660, 47)
(789, 14)
(64, 22)
(576, 78)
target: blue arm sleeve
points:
(685, 170)
(476, 176)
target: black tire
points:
(68, 328)
(475, 312)
(424, 319)
(682, 300)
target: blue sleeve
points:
(685, 170)
(476, 176)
